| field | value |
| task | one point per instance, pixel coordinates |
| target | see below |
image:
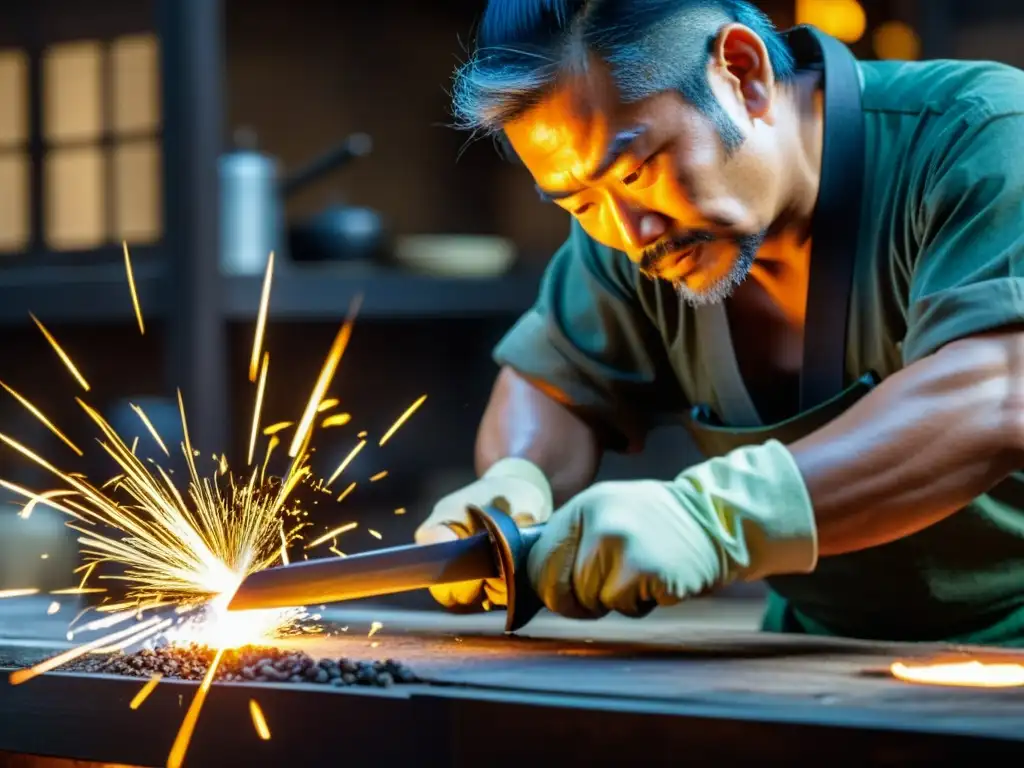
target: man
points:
(817, 264)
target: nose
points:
(637, 227)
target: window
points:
(100, 131)
(14, 152)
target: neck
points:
(802, 107)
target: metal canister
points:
(252, 219)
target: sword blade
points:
(368, 574)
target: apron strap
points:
(836, 221)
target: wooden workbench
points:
(697, 686)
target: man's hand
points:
(629, 546)
(518, 488)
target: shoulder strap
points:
(836, 222)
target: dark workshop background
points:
(113, 114)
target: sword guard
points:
(512, 546)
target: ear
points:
(742, 58)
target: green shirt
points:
(940, 257)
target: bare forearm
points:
(524, 422)
(921, 446)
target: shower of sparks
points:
(41, 418)
(131, 288)
(402, 419)
(332, 534)
(347, 491)
(184, 552)
(379, 476)
(346, 461)
(336, 420)
(375, 627)
(261, 320)
(17, 592)
(144, 691)
(259, 722)
(61, 353)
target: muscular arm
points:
(921, 446)
(524, 422)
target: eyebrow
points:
(617, 147)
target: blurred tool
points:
(253, 218)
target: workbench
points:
(696, 685)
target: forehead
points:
(570, 128)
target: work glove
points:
(515, 486)
(631, 546)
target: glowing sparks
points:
(324, 380)
(149, 426)
(181, 742)
(375, 627)
(144, 691)
(259, 722)
(78, 591)
(42, 419)
(332, 534)
(259, 405)
(273, 429)
(972, 674)
(336, 420)
(4, 593)
(347, 491)
(61, 354)
(346, 461)
(131, 288)
(337, 551)
(261, 320)
(19, 676)
(53, 608)
(379, 476)
(373, 533)
(327, 404)
(402, 419)
(400, 511)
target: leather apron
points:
(825, 392)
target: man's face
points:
(652, 178)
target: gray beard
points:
(722, 289)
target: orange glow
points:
(896, 40)
(843, 19)
(970, 674)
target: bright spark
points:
(53, 608)
(261, 320)
(273, 429)
(181, 742)
(331, 534)
(375, 627)
(400, 511)
(259, 722)
(144, 692)
(373, 533)
(379, 476)
(327, 404)
(346, 461)
(42, 419)
(131, 287)
(259, 405)
(324, 380)
(61, 354)
(336, 420)
(347, 491)
(17, 592)
(402, 419)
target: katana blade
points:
(369, 574)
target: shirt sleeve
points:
(589, 339)
(968, 277)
